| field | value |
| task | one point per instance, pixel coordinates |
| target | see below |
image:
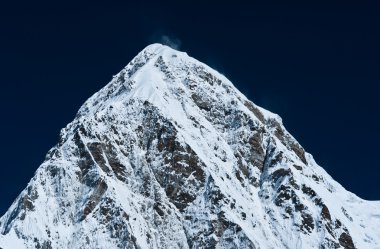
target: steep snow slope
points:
(171, 155)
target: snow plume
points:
(165, 37)
(172, 42)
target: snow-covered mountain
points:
(170, 154)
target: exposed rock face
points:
(171, 155)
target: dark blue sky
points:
(315, 64)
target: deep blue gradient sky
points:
(315, 64)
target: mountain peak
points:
(169, 154)
(157, 48)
